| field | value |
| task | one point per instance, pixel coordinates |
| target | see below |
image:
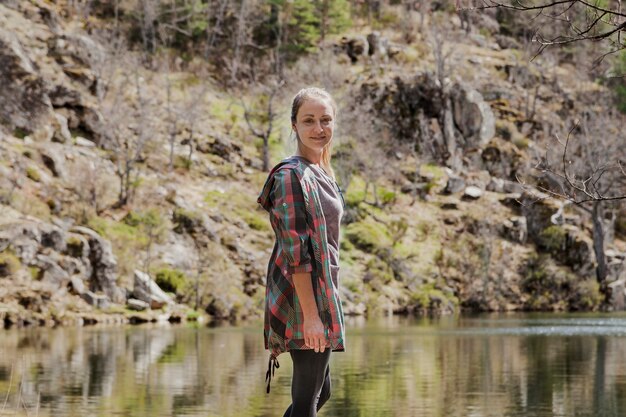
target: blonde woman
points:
(303, 314)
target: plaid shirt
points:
(291, 197)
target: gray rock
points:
(145, 289)
(78, 286)
(25, 103)
(137, 305)
(355, 47)
(104, 266)
(472, 192)
(52, 237)
(81, 141)
(61, 95)
(97, 300)
(54, 159)
(618, 294)
(52, 272)
(515, 229)
(454, 184)
(498, 185)
(472, 116)
(377, 44)
(61, 131)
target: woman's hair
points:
(319, 93)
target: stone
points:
(454, 184)
(77, 285)
(472, 116)
(137, 305)
(52, 272)
(618, 294)
(514, 229)
(97, 300)
(81, 141)
(24, 98)
(145, 289)
(54, 159)
(356, 47)
(103, 264)
(377, 44)
(52, 237)
(61, 131)
(512, 187)
(62, 96)
(472, 192)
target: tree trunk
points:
(266, 153)
(597, 217)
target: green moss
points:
(182, 162)
(254, 220)
(192, 315)
(386, 196)
(9, 264)
(433, 170)
(378, 273)
(368, 236)
(33, 174)
(521, 143)
(586, 295)
(171, 280)
(553, 238)
(186, 221)
(74, 246)
(35, 273)
(551, 287)
(424, 295)
(20, 133)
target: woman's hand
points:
(314, 335)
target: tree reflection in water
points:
(483, 366)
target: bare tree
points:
(128, 128)
(588, 171)
(582, 20)
(264, 117)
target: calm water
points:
(513, 365)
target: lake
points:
(481, 365)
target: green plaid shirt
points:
(291, 197)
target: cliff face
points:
(113, 165)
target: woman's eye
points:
(326, 121)
(308, 121)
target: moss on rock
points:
(368, 236)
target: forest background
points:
(479, 147)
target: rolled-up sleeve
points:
(290, 220)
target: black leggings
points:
(310, 386)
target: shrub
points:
(9, 264)
(186, 221)
(33, 174)
(171, 280)
(368, 236)
(74, 247)
(553, 238)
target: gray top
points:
(332, 206)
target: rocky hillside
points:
(128, 182)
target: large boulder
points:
(103, 264)
(148, 291)
(25, 105)
(472, 116)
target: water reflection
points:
(522, 365)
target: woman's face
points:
(314, 124)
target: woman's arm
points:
(313, 329)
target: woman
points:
(303, 314)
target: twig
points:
(6, 399)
